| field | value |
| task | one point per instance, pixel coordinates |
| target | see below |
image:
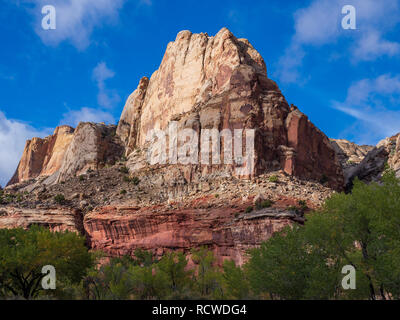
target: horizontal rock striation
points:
(121, 230)
(56, 219)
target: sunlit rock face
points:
(43, 157)
(221, 83)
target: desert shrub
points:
(135, 181)
(273, 178)
(303, 205)
(59, 198)
(124, 170)
(265, 203)
(249, 209)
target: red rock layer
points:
(121, 230)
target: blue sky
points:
(346, 81)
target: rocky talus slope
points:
(96, 179)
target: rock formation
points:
(43, 157)
(348, 152)
(92, 147)
(221, 83)
(122, 202)
(160, 230)
(386, 152)
(350, 155)
(68, 152)
(56, 219)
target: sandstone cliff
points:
(221, 83)
(67, 153)
(92, 147)
(43, 157)
(160, 230)
(56, 219)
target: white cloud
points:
(317, 24)
(289, 64)
(374, 103)
(320, 24)
(85, 114)
(76, 19)
(13, 136)
(106, 98)
(372, 45)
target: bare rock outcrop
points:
(350, 155)
(371, 168)
(92, 147)
(348, 152)
(67, 153)
(121, 230)
(56, 219)
(43, 157)
(221, 83)
(392, 147)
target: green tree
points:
(149, 284)
(207, 278)
(363, 229)
(285, 267)
(236, 284)
(23, 253)
(173, 267)
(112, 281)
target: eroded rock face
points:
(313, 156)
(221, 83)
(56, 219)
(129, 123)
(348, 152)
(43, 157)
(392, 147)
(350, 155)
(371, 168)
(92, 146)
(68, 152)
(121, 230)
